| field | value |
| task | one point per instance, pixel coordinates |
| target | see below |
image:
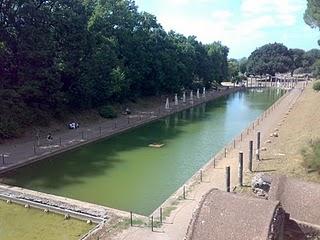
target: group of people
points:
(72, 125)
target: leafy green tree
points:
(218, 57)
(310, 57)
(243, 65)
(233, 69)
(297, 56)
(270, 59)
(316, 68)
(312, 14)
(61, 55)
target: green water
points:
(124, 173)
(17, 222)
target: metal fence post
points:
(240, 169)
(152, 223)
(228, 178)
(250, 155)
(161, 215)
(258, 140)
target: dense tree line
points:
(277, 58)
(57, 55)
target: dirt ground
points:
(297, 129)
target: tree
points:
(316, 68)
(233, 69)
(310, 57)
(270, 59)
(312, 14)
(243, 65)
(297, 56)
(58, 56)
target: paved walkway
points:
(175, 226)
(25, 152)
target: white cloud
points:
(284, 11)
(251, 25)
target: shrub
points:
(311, 156)
(107, 111)
(316, 86)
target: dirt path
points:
(175, 226)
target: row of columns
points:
(184, 98)
(273, 81)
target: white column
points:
(176, 102)
(167, 104)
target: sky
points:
(242, 25)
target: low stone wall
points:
(60, 205)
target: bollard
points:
(258, 146)
(258, 140)
(152, 223)
(161, 215)
(131, 219)
(250, 155)
(240, 169)
(228, 178)
(34, 149)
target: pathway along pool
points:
(124, 173)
